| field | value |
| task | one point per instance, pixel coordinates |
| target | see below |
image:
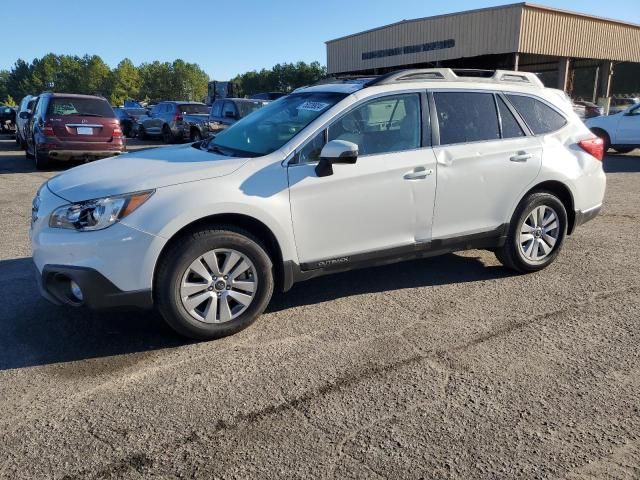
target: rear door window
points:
(465, 117)
(540, 117)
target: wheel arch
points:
(563, 192)
(245, 222)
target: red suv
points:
(72, 127)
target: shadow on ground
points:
(621, 164)
(34, 332)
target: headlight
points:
(99, 213)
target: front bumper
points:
(97, 291)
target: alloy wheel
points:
(539, 233)
(218, 286)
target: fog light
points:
(76, 291)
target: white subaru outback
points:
(332, 177)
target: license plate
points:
(85, 131)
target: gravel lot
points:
(449, 367)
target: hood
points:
(144, 170)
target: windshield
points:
(90, 107)
(194, 108)
(270, 127)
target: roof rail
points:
(462, 75)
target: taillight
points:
(47, 130)
(117, 131)
(178, 117)
(594, 147)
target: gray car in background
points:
(26, 105)
(175, 121)
(227, 111)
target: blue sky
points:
(223, 37)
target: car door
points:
(383, 201)
(153, 125)
(485, 160)
(628, 129)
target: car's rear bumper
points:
(583, 216)
(97, 291)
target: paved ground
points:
(444, 368)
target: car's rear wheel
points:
(42, 161)
(167, 136)
(196, 136)
(214, 283)
(142, 134)
(536, 233)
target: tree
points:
(283, 77)
(124, 82)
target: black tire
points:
(167, 136)
(511, 254)
(623, 150)
(605, 138)
(196, 136)
(26, 151)
(18, 141)
(175, 262)
(41, 162)
(142, 134)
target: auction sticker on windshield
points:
(313, 106)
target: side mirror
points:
(336, 151)
(25, 115)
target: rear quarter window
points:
(540, 117)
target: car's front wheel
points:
(213, 283)
(536, 233)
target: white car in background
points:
(620, 131)
(331, 178)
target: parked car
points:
(26, 104)
(65, 126)
(590, 109)
(129, 118)
(267, 96)
(335, 177)
(620, 131)
(7, 118)
(620, 104)
(228, 111)
(175, 121)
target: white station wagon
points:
(330, 178)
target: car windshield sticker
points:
(313, 106)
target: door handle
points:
(521, 157)
(418, 173)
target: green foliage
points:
(177, 80)
(283, 77)
(9, 101)
(90, 75)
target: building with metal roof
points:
(575, 52)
